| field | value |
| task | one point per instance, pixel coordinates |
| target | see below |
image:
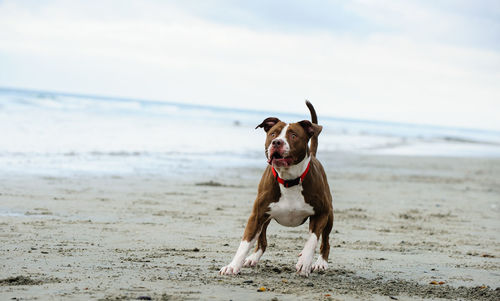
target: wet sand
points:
(401, 224)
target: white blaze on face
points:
(282, 136)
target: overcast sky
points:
(431, 62)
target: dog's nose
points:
(277, 142)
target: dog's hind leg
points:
(322, 262)
(254, 258)
(318, 224)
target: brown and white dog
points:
(293, 188)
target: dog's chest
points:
(291, 209)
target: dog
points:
(292, 189)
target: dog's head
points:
(287, 143)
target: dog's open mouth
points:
(278, 160)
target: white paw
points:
(252, 260)
(230, 269)
(304, 264)
(320, 265)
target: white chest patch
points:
(291, 209)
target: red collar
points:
(290, 183)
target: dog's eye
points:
(294, 136)
(273, 135)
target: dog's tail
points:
(317, 129)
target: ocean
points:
(59, 133)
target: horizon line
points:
(241, 110)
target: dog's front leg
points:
(252, 232)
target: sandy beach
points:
(405, 228)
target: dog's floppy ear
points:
(268, 123)
(311, 128)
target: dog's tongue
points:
(283, 162)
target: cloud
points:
(291, 16)
(392, 65)
(464, 23)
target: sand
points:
(401, 223)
